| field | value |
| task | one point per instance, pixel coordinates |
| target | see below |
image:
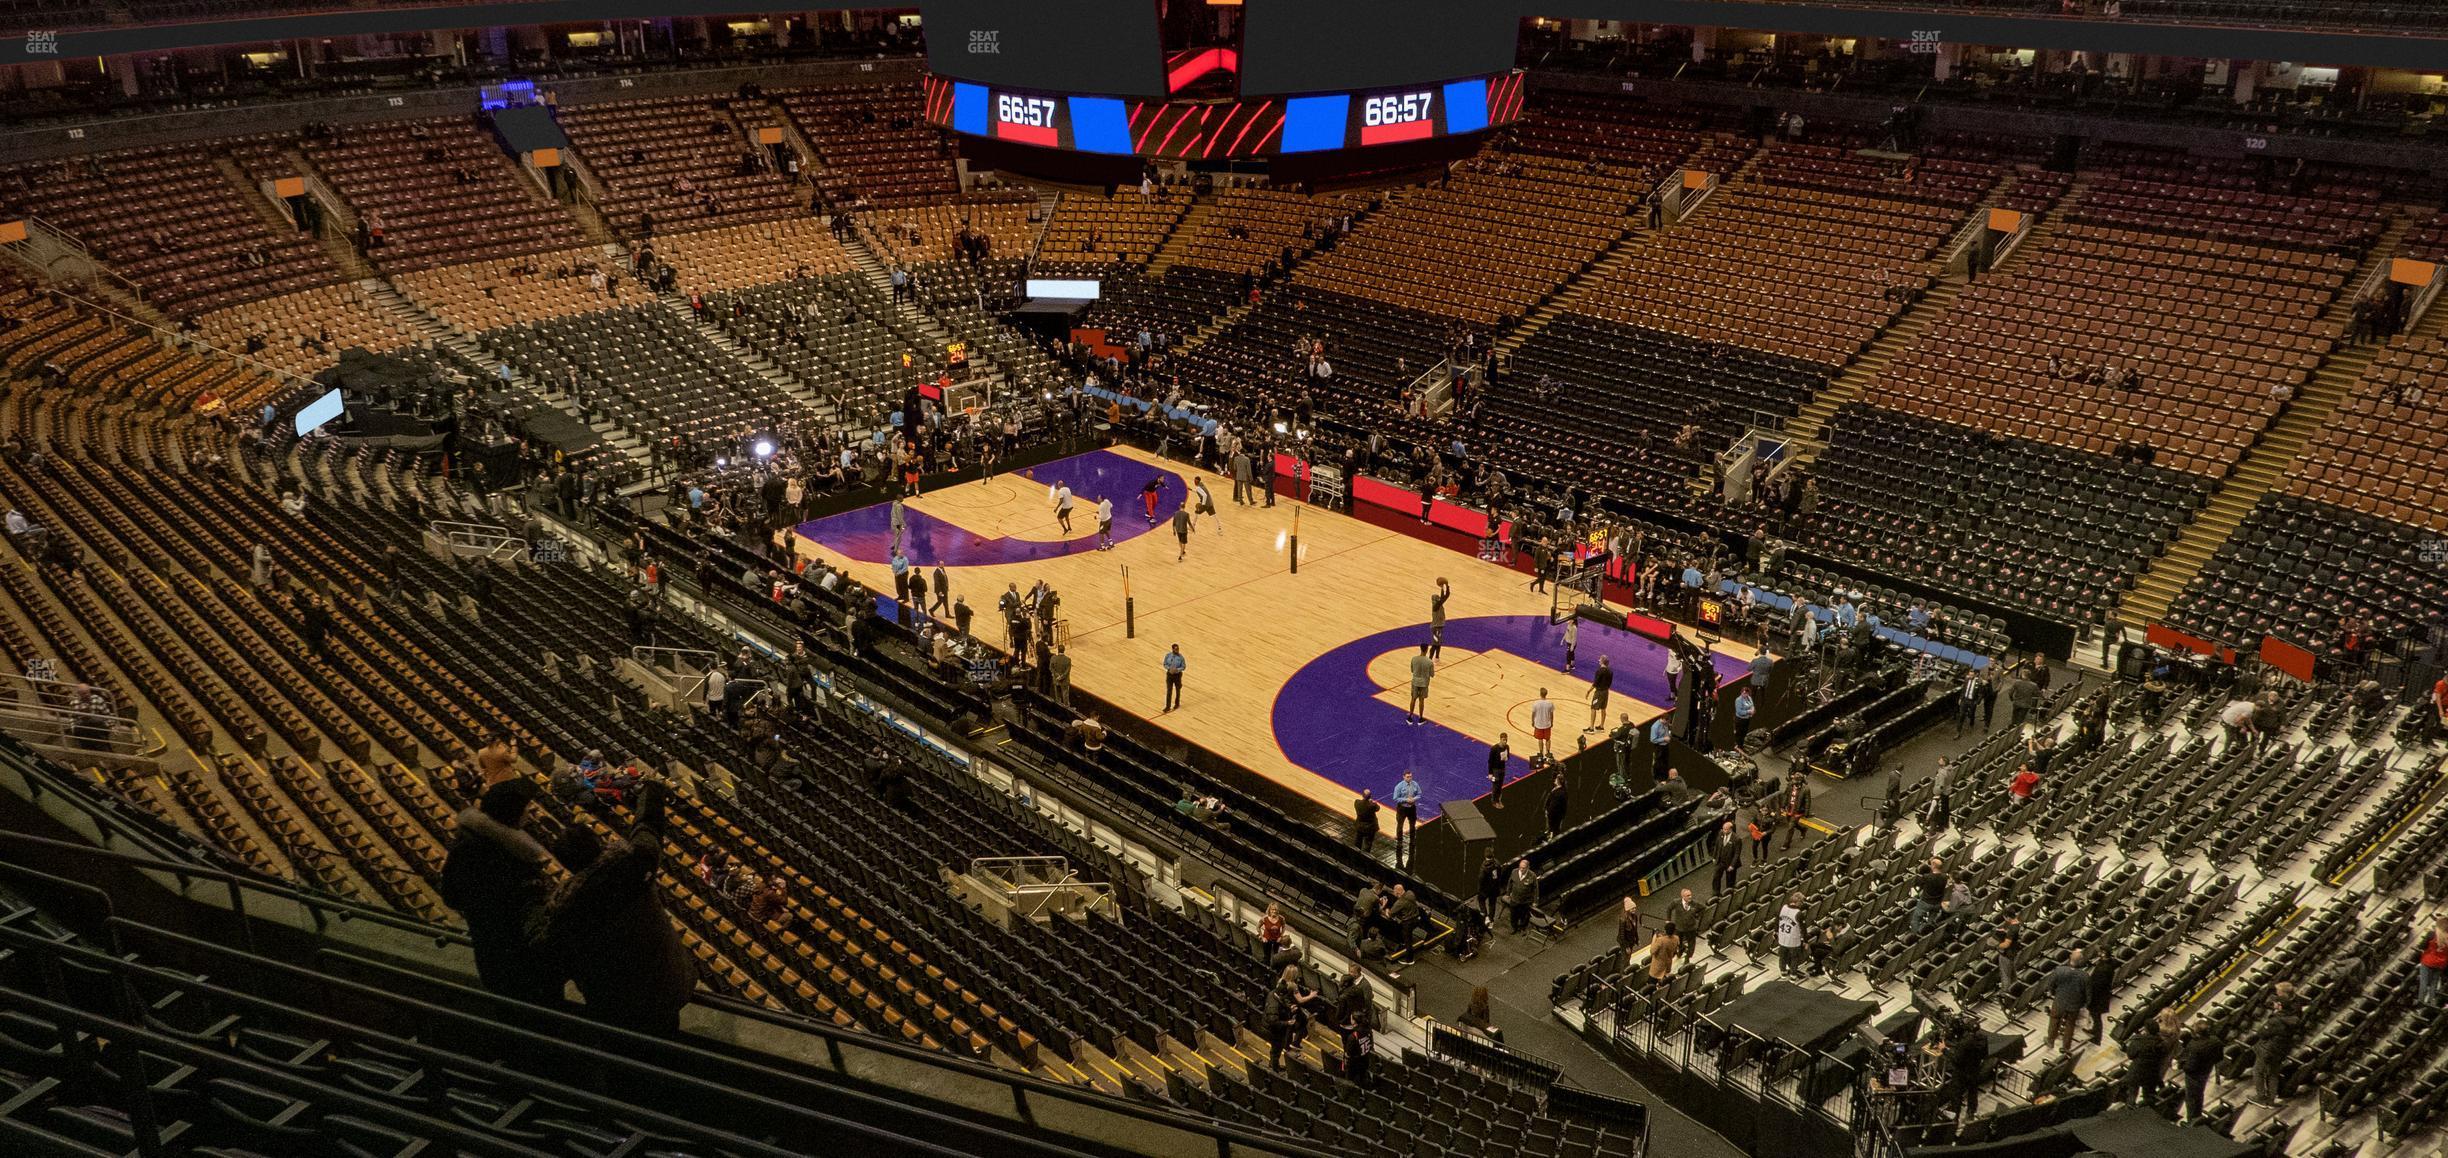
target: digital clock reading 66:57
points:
(1397, 108)
(1035, 112)
(1029, 120)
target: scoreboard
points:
(1385, 116)
(1228, 129)
(1089, 124)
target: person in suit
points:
(1559, 802)
(2069, 987)
(1364, 822)
(1058, 669)
(1241, 477)
(1726, 850)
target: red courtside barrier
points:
(2288, 658)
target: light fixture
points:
(764, 448)
(719, 463)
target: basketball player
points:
(1601, 682)
(1572, 639)
(1104, 524)
(1542, 722)
(1147, 498)
(1423, 668)
(1436, 618)
(1181, 532)
(1206, 504)
(1062, 506)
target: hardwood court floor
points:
(1301, 678)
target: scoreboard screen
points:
(1091, 46)
(1317, 46)
(1385, 116)
(1089, 124)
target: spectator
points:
(496, 761)
(1663, 949)
(1789, 934)
(1726, 850)
(494, 877)
(1683, 917)
(607, 929)
(1929, 896)
(2236, 721)
(1271, 931)
(1364, 822)
(2271, 1040)
(2102, 991)
(2434, 957)
(1628, 929)
(1287, 1014)
(2147, 1054)
(1476, 1017)
(2021, 695)
(2009, 947)
(2069, 987)
(2198, 1057)
(1521, 893)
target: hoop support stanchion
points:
(1295, 544)
(1130, 610)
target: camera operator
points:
(1965, 1055)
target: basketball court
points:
(1302, 678)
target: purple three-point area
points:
(1328, 718)
(865, 535)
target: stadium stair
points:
(1192, 224)
(1049, 203)
(1570, 293)
(338, 227)
(2038, 238)
(1810, 425)
(442, 334)
(781, 379)
(863, 258)
(2264, 467)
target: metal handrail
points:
(239, 885)
(2423, 299)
